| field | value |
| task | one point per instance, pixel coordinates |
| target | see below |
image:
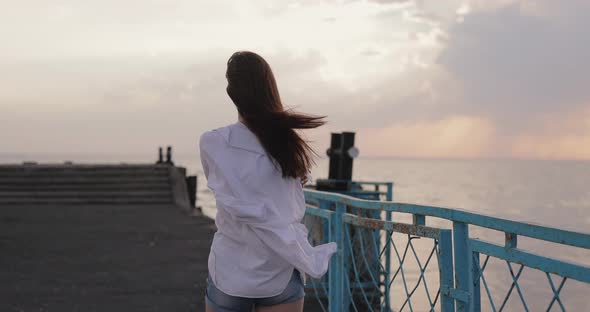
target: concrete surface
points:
(105, 258)
(102, 258)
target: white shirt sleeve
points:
(288, 240)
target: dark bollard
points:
(335, 144)
(347, 153)
(169, 155)
(341, 152)
(191, 184)
(160, 156)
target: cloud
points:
(442, 79)
(128, 104)
(515, 61)
(390, 1)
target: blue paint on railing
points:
(368, 260)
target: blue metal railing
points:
(371, 268)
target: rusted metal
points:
(510, 240)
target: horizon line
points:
(69, 156)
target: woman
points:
(256, 168)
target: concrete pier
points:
(101, 238)
(102, 258)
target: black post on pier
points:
(169, 155)
(191, 184)
(341, 152)
(160, 156)
(335, 144)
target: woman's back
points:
(260, 238)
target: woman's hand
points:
(306, 178)
(303, 180)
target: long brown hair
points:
(253, 89)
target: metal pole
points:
(445, 267)
(463, 267)
(386, 274)
(160, 156)
(336, 277)
(476, 284)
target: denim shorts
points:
(222, 302)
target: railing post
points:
(463, 291)
(337, 295)
(445, 249)
(418, 219)
(388, 197)
(476, 284)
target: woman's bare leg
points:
(208, 308)
(295, 306)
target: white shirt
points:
(260, 238)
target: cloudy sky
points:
(416, 78)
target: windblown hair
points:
(253, 89)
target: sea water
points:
(551, 193)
